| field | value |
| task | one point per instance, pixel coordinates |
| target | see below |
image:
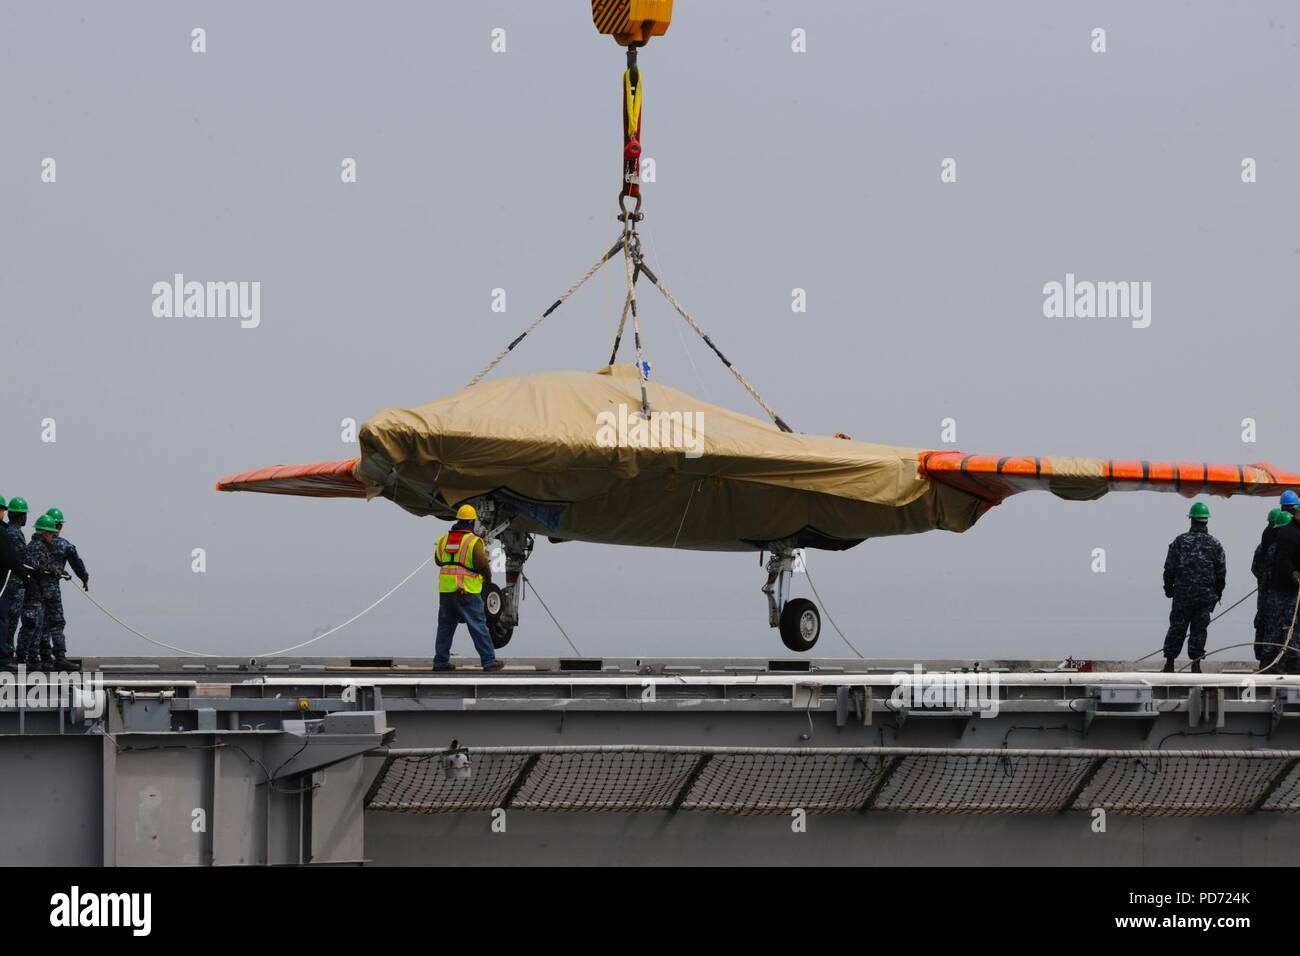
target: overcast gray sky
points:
(775, 170)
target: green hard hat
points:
(1199, 512)
(2, 503)
(46, 523)
(56, 514)
(1281, 519)
(18, 506)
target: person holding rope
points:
(13, 561)
(54, 643)
(1262, 568)
(1195, 575)
(1283, 590)
(42, 580)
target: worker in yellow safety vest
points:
(463, 566)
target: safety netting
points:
(753, 780)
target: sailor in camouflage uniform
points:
(62, 552)
(1262, 568)
(42, 578)
(1282, 598)
(13, 558)
(1195, 573)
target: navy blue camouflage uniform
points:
(62, 553)
(13, 556)
(41, 581)
(1195, 574)
(1262, 568)
(1281, 599)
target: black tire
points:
(801, 625)
(501, 635)
(493, 601)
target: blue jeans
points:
(454, 608)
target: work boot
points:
(1196, 666)
(444, 667)
(1169, 666)
(63, 664)
(494, 666)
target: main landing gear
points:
(798, 619)
(502, 603)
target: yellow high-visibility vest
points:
(455, 558)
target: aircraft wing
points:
(557, 447)
(994, 478)
(322, 479)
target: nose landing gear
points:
(798, 619)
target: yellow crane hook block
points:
(632, 21)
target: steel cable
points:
(822, 602)
(549, 614)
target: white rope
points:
(1289, 634)
(753, 392)
(1228, 647)
(146, 637)
(319, 637)
(572, 289)
(682, 524)
(1161, 648)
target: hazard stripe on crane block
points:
(632, 21)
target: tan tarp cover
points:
(562, 448)
(539, 438)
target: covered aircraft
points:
(572, 455)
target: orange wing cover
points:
(994, 478)
(991, 478)
(322, 479)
